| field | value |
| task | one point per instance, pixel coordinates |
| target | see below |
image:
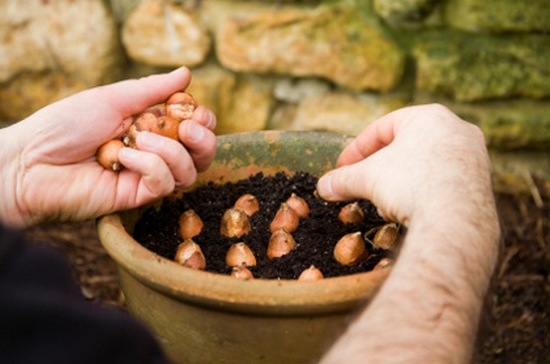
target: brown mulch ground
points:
(517, 325)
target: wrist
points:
(9, 161)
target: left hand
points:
(48, 163)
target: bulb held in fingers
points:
(107, 155)
(181, 106)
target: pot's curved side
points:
(203, 317)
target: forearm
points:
(429, 308)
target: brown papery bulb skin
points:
(351, 213)
(240, 254)
(310, 274)
(387, 236)
(190, 224)
(299, 205)
(107, 155)
(384, 263)
(181, 105)
(280, 243)
(189, 254)
(248, 203)
(242, 272)
(285, 218)
(146, 121)
(350, 249)
(235, 223)
(167, 126)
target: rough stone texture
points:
(404, 13)
(468, 68)
(344, 113)
(301, 64)
(53, 49)
(338, 44)
(294, 90)
(163, 34)
(240, 103)
(499, 15)
(516, 124)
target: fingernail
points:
(324, 186)
(210, 120)
(194, 131)
(150, 140)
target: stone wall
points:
(303, 64)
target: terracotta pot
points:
(202, 317)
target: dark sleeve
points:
(45, 319)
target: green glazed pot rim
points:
(262, 296)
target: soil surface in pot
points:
(315, 236)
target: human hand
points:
(427, 169)
(48, 160)
(411, 162)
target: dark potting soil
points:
(316, 236)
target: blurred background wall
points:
(302, 64)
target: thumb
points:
(346, 183)
(133, 96)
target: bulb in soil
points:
(384, 263)
(280, 243)
(299, 205)
(350, 249)
(107, 155)
(241, 272)
(248, 203)
(310, 274)
(189, 254)
(386, 237)
(351, 213)
(240, 254)
(285, 218)
(235, 223)
(181, 106)
(190, 224)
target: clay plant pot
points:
(202, 317)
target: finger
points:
(200, 143)
(145, 178)
(173, 154)
(133, 96)
(376, 136)
(345, 183)
(205, 117)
